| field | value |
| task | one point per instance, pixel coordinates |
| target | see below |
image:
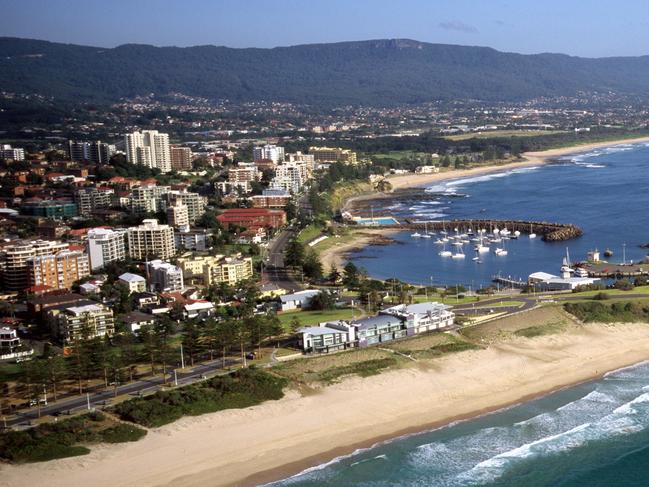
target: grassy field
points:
(539, 321)
(308, 318)
(309, 233)
(402, 155)
(502, 133)
(330, 368)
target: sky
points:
(592, 28)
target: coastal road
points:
(104, 397)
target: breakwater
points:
(550, 232)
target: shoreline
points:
(531, 159)
(279, 439)
(412, 181)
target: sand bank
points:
(280, 438)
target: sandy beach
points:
(280, 438)
(530, 159)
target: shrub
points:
(60, 440)
(241, 389)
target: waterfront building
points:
(252, 218)
(151, 240)
(181, 158)
(89, 200)
(331, 336)
(273, 152)
(57, 271)
(104, 246)
(9, 341)
(149, 148)
(163, 276)
(14, 261)
(379, 329)
(81, 322)
(134, 282)
(422, 317)
(333, 154)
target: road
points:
(133, 388)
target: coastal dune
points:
(280, 438)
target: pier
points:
(550, 232)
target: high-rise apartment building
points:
(97, 151)
(149, 148)
(148, 199)
(151, 240)
(81, 322)
(290, 176)
(89, 200)
(14, 261)
(228, 270)
(57, 271)
(273, 152)
(163, 276)
(194, 202)
(105, 246)
(178, 215)
(181, 158)
(333, 154)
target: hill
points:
(379, 72)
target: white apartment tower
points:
(151, 240)
(148, 148)
(273, 152)
(105, 245)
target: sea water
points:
(604, 191)
(594, 434)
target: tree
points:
(56, 372)
(334, 275)
(312, 266)
(294, 253)
(191, 340)
(162, 331)
(350, 275)
(323, 301)
(295, 324)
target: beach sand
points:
(337, 253)
(530, 159)
(280, 438)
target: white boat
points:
(458, 255)
(517, 233)
(457, 244)
(532, 234)
(445, 239)
(416, 235)
(439, 241)
(426, 234)
(496, 240)
(500, 252)
(445, 253)
(476, 258)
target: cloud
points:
(458, 26)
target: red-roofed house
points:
(252, 218)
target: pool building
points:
(389, 324)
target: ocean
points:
(595, 434)
(603, 191)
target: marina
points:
(522, 234)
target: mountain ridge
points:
(379, 72)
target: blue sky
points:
(586, 27)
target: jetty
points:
(550, 232)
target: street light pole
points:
(182, 357)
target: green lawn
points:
(309, 318)
(309, 233)
(614, 292)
